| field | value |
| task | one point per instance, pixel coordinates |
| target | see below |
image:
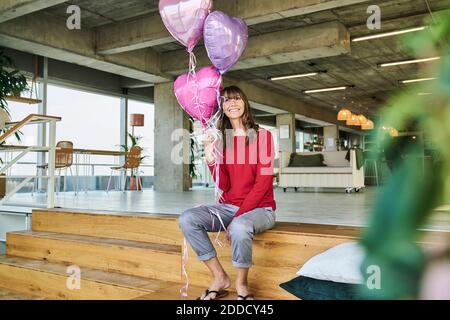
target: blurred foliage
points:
(410, 196)
(12, 82)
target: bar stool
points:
(371, 169)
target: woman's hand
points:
(209, 143)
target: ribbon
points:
(184, 289)
(209, 127)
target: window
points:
(147, 132)
(274, 131)
(90, 121)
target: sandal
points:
(247, 297)
(219, 294)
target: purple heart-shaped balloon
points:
(185, 19)
(225, 39)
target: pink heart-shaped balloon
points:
(185, 19)
(225, 39)
(197, 94)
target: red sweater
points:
(247, 182)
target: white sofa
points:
(338, 172)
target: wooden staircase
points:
(120, 256)
(138, 256)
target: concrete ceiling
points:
(372, 85)
(101, 12)
(346, 64)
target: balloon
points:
(185, 19)
(197, 94)
(225, 39)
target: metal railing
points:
(92, 170)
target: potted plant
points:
(135, 140)
(196, 152)
(12, 83)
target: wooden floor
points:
(11, 295)
(326, 207)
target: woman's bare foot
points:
(243, 292)
(219, 283)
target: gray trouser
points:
(195, 224)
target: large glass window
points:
(299, 141)
(274, 131)
(147, 133)
(90, 121)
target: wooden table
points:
(75, 151)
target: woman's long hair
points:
(224, 123)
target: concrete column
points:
(330, 134)
(171, 146)
(286, 144)
(123, 128)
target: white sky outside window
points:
(89, 120)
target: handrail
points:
(13, 148)
(10, 148)
(88, 164)
(32, 118)
(11, 128)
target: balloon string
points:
(192, 63)
(217, 152)
(212, 212)
(192, 75)
(200, 113)
(184, 289)
(209, 126)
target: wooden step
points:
(6, 294)
(136, 227)
(276, 259)
(277, 254)
(149, 260)
(49, 280)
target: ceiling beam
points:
(11, 9)
(55, 41)
(150, 31)
(131, 35)
(134, 84)
(42, 34)
(300, 44)
(263, 96)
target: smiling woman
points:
(244, 174)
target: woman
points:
(247, 205)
